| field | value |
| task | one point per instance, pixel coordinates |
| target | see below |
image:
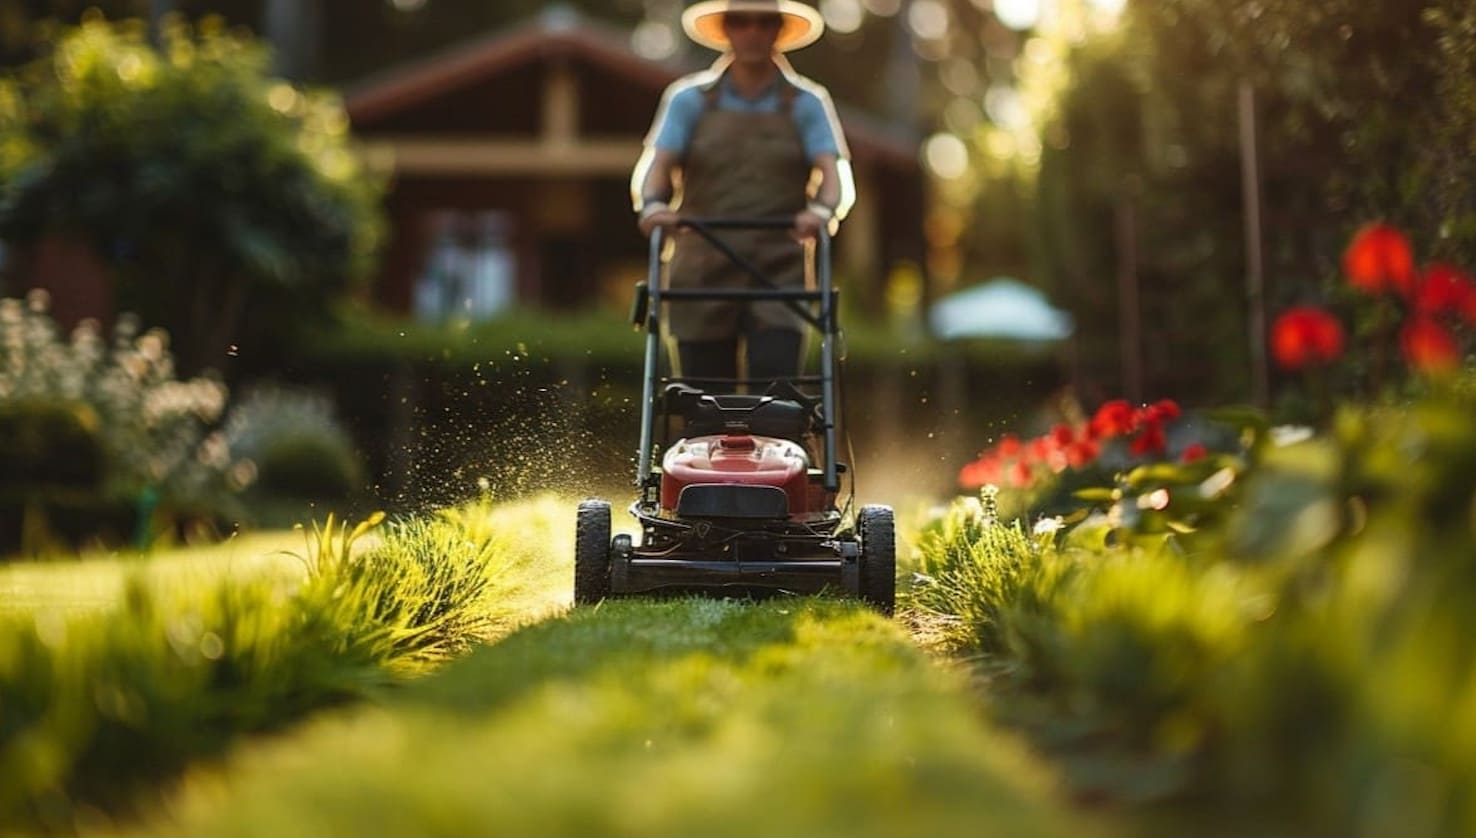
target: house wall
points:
(547, 143)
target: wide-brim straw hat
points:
(802, 24)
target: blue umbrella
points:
(1002, 308)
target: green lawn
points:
(97, 581)
(795, 717)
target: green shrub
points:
(99, 707)
(49, 444)
(211, 189)
(972, 567)
(130, 431)
(297, 447)
(1309, 655)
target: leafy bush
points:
(48, 444)
(1307, 652)
(153, 432)
(206, 185)
(296, 446)
(972, 568)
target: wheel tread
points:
(877, 531)
(592, 552)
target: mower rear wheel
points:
(877, 532)
(592, 552)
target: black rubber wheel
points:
(592, 552)
(877, 532)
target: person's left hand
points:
(807, 225)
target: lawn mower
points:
(737, 491)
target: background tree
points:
(210, 188)
(1364, 113)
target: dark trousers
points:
(772, 354)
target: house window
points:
(470, 270)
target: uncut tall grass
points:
(96, 707)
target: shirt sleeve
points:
(818, 128)
(676, 119)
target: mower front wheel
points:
(877, 532)
(592, 552)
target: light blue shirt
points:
(686, 99)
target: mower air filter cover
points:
(718, 500)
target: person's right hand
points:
(660, 218)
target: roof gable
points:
(455, 81)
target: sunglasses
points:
(738, 20)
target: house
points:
(509, 161)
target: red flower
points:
(1040, 449)
(1306, 336)
(1150, 441)
(1166, 410)
(1380, 259)
(1082, 453)
(1063, 435)
(1194, 453)
(1009, 446)
(1020, 475)
(1429, 347)
(1115, 418)
(1443, 288)
(981, 472)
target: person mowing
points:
(744, 139)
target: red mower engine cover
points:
(737, 459)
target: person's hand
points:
(808, 224)
(659, 218)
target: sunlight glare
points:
(946, 156)
(1018, 14)
(843, 16)
(883, 8)
(928, 19)
(654, 40)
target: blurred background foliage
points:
(1363, 112)
(107, 446)
(1079, 144)
(1068, 141)
(226, 202)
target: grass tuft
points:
(99, 705)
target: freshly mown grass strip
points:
(98, 706)
(793, 717)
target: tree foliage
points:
(205, 184)
(1364, 112)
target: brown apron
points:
(740, 164)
